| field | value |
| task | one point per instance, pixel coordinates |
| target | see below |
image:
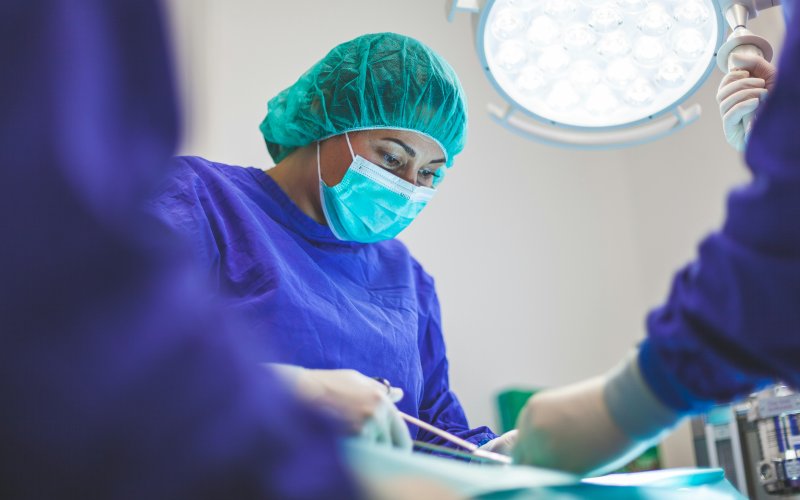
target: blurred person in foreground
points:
(117, 378)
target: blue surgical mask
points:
(370, 204)
(788, 7)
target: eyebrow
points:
(408, 148)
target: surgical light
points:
(602, 73)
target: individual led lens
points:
(585, 75)
(593, 3)
(614, 44)
(689, 44)
(671, 73)
(621, 72)
(507, 23)
(640, 93)
(633, 5)
(531, 79)
(654, 21)
(579, 37)
(563, 96)
(605, 18)
(554, 59)
(561, 9)
(601, 100)
(692, 13)
(511, 56)
(543, 31)
(648, 50)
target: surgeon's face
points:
(408, 155)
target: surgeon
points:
(307, 250)
(731, 324)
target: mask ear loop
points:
(319, 169)
(346, 136)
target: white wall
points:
(546, 260)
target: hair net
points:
(382, 80)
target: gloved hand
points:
(740, 93)
(592, 426)
(503, 444)
(362, 403)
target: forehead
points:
(422, 144)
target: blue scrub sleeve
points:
(182, 203)
(731, 323)
(118, 380)
(439, 405)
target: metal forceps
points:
(473, 452)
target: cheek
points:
(333, 168)
(422, 180)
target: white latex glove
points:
(502, 444)
(593, 426)
(364, 404)
(740, 93)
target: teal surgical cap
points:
(383, 80)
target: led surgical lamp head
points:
(521, 47)
(742, 40)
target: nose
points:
(408, 174)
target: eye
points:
(429, 177)
(391, 160)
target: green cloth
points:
(382, 80)
(509, 405)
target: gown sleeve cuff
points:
(632, 403)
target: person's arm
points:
(439, 405)
(729, 326)
(593, 426)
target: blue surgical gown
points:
(732, 322)
(321, 302)
(117, 380)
